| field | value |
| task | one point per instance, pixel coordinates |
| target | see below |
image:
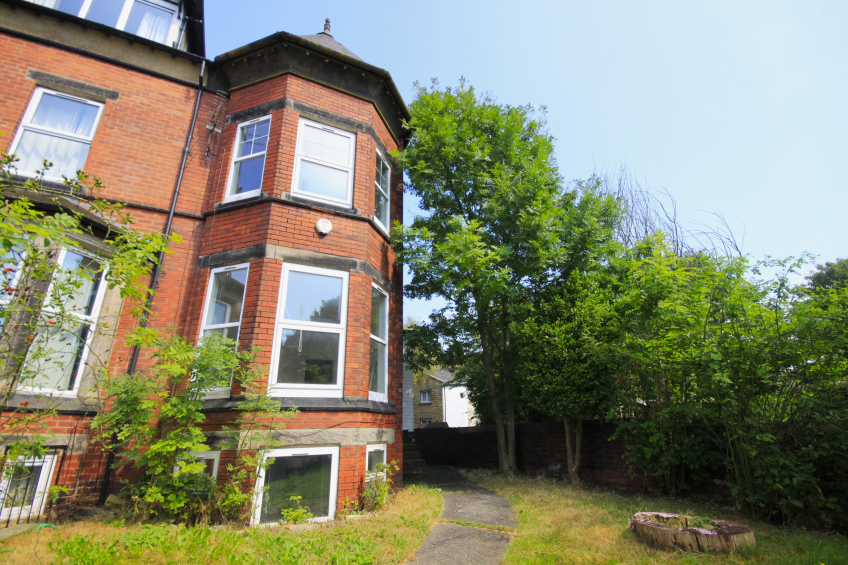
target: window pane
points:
(307, 476)
(322, 180)
(377, 381)
(374, 458)
(383, 175)
(308, 358)
(379, 306)
(313, 298)
(54, 358)
(23, 485)
(226, 299)
(247, 176)
(64, 114)
(209, 465)
(149, 22)
(338, 148)
(105, 12)
(254, 139)
(381, 208)
(231, 332)
(78, 271)
(67, 156)
(68, 6)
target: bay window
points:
(323, 167)
(309, 343)
(308, 472)
(248, 162)
(379, 360)
(382, 182)
(56, 127)
(223, 309)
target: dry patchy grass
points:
(390, 537)
(559, 523)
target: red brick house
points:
(283, 199)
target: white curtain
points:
(149, 22)
(65, 115)
(45, 3)
(66, 155)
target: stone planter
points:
(725, 538)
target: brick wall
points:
(538, 446)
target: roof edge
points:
(282, 36)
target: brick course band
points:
(309, 405)
(72, 86)
(344, 437)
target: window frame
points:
(334, 451)
(87, 319)
(215, 455)
(228, 190)
(378, 396)
(173, 30)
(222, 392)
(278, 389)
(381, 157)
(421, 421)
(384, 447)
(429, 392)
(298, 157)
(26, 125)
(48, 464)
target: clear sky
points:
(734, 107)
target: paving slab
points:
(449, 544)
(452, 544)
(11, 531)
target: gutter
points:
(157, 269)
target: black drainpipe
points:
(157, 269)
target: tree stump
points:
(725, 539)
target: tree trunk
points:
(573, 444)
(496, 399)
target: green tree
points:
(830, 275)
(497, 224)
(43, 303)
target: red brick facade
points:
(137, 152)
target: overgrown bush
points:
(157, 420)
(379, 486)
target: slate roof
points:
(326, 40)
(442, 375)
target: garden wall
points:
(538, 445)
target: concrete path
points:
(456, 544)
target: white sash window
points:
(323, 166)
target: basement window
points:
(24, 486)
(248, 164)
(308, 472)
(307, 359)
(323, 166)
(375, 455)
(152, 19)
(56, 127)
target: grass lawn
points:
(390, 537)
(559, 523)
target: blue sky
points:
(733, 107)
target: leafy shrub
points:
(379, 486)
(298, 514)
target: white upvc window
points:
(57, 358)
(224, 308)
(309, 472)
(210, 459)
(425, 396)
(57, 127)
(382, 191)
(323, 165)
(24, 487)
(248, 163)
(152, 19)
(307, 358)
(379, 360)
(374, 455)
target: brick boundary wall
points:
(538, 446)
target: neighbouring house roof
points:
(326, 40)
(442, 375)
